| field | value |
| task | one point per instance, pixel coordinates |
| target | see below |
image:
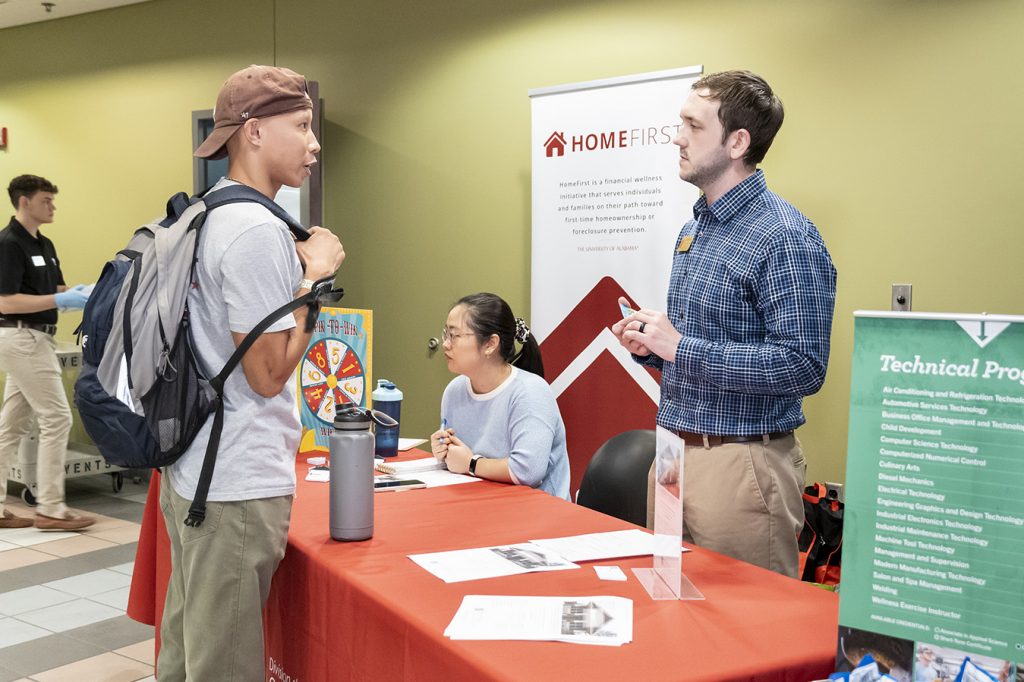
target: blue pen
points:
(444, 427)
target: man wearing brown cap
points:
(248, 265)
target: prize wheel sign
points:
(332, 375)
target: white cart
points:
(83, 457)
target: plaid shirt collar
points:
(732, 201)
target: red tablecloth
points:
(152, 563)
(364, 611)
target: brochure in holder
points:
(665, 579)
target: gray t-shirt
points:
(247, 268)
(518, 420)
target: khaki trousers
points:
(212, 628)
(34, 386)
(744, 500)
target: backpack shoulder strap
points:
(234, 194)
(176, 205)
(323, 291)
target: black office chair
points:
(615, 482)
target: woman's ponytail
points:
(528, 358)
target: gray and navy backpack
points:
(141, 394)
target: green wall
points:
(900, 140)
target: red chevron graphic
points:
(605, 399)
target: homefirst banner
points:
(608, 205)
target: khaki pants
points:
(744, 500)
(212, 628)
(34, 385)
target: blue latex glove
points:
(72, 299)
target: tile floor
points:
(63, 594)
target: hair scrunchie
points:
(522, 331)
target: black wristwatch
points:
(472, 465)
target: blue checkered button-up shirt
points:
(753, 298)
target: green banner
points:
(934, 520)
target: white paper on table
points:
(319, 475)
(601, 620)
(443, 477)
(490, 562)
(409, 443)
(431, 479)
(594, 546)
(409, 466)
(610, 573)
(427, 469)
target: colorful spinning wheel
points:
(332, 375)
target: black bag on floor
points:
(821, 540)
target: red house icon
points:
(555, 146)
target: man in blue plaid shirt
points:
(746, 332)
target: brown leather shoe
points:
(9, 520)
(69, 522)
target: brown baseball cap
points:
(254, 92)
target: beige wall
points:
(900, 140)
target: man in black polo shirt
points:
(31, 290)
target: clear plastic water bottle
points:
(387, 399)
(351, 454)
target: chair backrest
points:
(615, 482)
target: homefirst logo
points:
(558, 143)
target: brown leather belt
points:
(50, 329)
(698, 439)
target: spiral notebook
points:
(411, 466)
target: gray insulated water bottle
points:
(351, 453)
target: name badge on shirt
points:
(38, 261)
(685, 243)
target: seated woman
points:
(499, 419)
